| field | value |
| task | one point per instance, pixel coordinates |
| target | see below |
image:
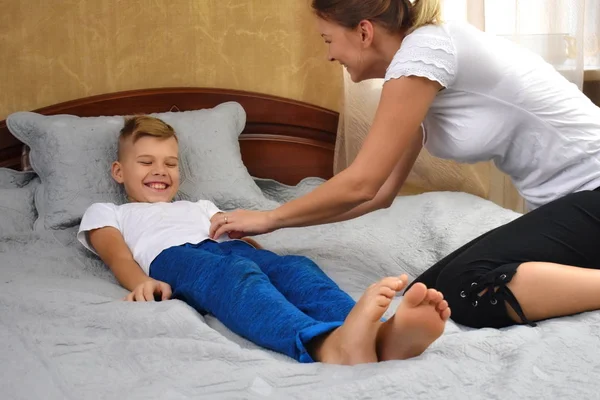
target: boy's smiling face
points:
(148, 169)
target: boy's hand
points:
(147, 290)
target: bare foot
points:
(418, 322)
(354, 341)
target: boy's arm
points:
(112, 249)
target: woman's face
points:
(348, 47)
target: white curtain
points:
(565, 32)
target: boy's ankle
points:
(315, 346)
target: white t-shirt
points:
(149, 228)
(504, 103)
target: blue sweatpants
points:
(278, 302)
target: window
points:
(559, 30)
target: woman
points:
(468, 96)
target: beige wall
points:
(54, 51)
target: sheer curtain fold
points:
(564, 32)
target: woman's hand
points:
(240, 223)
(146, 291)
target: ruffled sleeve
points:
(427, 52)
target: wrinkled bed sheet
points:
(65, 334)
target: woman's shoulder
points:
(442, 35)
(442, 30)
(428, 51)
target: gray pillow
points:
(72, 155)
(17, 209)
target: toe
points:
(392, 282)
(445, 314)
(415, 295)
(404, 282)
(432, 296)
(387, 292)
(383, 301)
(442, 305)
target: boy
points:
(156, 247)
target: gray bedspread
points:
(65, 334)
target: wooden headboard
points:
(285, 140)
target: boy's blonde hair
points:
(144, 125)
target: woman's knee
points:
(476, 293)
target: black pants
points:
(565, 231)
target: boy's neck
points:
(132, 200)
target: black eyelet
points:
(463, 294)
(494, 302)
(503, 276)
(473, 284)
(475, 303)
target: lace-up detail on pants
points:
(492, 288)
(477, 294)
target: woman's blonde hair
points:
(394, 15)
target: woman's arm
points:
(402, 108)
(388, 192)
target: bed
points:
(65, 333)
